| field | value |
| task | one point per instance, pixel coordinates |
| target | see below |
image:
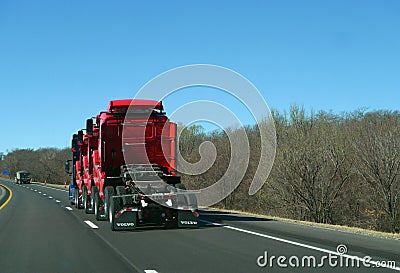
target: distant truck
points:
(23, 177)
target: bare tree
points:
(378, 152)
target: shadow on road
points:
(221, 217)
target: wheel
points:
(88, 203)
(85, 198)
(76, 195)
(120, 190)
(180, 186)
(108, 193)
(78, 201)
(97, 204)
(126, 200)
(181, 198)
(115, 205)
(111, 213)
(69, 196)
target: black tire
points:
(69, 197)
(111, 213)
(183, 199)
(115, 205)
(126, 201)
(108, 193)
(120, 190)
(85, 198)
(78, 201)
(76, 194)
(180, 186)
(97, 203)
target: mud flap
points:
(188, 216)
(122, 218)
(186, 219)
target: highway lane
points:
(38, 235)
(45, 233)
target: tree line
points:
(45, 164)
(329, 168)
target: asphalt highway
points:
(41, 232)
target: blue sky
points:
(62, 61)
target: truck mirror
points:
(89, 126)
(68, 166)
(80, 137)
(74, 140)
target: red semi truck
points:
(123, 168)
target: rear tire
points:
(76, 197)
(97, 204)
(115, 206)
(78, 201)
(127, 200)
(108, 193)
(85, 198)
(111, 213)
(180, 186)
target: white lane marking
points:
(39, 192)
(150, 271)
(47, 187)
(50, 197)
(364, 260)
(58, 201)
(68, 208)
(35, 190)
(44, 194)
(90, 224)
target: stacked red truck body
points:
(123, 168)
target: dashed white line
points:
(35, 190)
(39, 192)
(58, 201)
(68, 208)
(150, 271)
(50, 197)
(44, 194)
(90, 224)
(51, 188)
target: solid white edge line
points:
(301, 245)
(90, 224)
(68, 208)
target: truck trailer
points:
(22, 177)
(123, 168)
